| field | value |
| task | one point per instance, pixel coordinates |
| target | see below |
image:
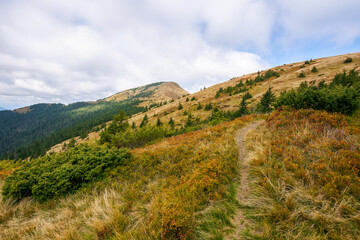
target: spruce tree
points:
(314, 70)
(243, 106)
(144, 121)
(172, 123)
(180, 106)
(266, 102)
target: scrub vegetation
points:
(245, 160)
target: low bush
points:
(348, 60)
(59, 174)
(208, 107)
(268, 74)
(301, 75)
(314, 70)
(132, 138)
(341, 95)
(241, 86)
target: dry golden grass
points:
(328, 67)
(163, 92)
(304, 183)
(177, 188)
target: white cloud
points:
(84, 50)
(330, 21)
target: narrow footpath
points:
(240, 222)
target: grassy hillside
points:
(180, 187)
(305, 177)
(206, 166)
(303, 184)
(155, 93)
(231, 94)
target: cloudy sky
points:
(78, 50)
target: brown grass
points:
(328, 67)
(176, 188)
(305, 182)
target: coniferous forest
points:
(44, 125)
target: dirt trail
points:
(240, 222)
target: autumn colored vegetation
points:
(178, 180)
(179, 188)
(307, 177)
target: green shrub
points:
(268, 74)
(314, 70)
(145, 121)
(347, 79)
(119, 123)
(180, 106)
(171, 123)
(59, 174)
(341, 95)
(243, 108)
(219, 116)
(217, 95)
(247, 96)
(208, 107)
(301, 75)
(139, 137)
(348, 60)
(158, 122)
(266, 102)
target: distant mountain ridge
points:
(31, 130)
(2, 109)
(227, 97)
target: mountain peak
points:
(155, 92)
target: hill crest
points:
(154, 93)
(289, 78)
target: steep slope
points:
(288, 78)
(49, 124)
(296, 176)
(142, 198)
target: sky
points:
(81, 50)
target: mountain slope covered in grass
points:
(240, 160)
(227, 96)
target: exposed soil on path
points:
(240, 222)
